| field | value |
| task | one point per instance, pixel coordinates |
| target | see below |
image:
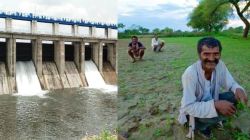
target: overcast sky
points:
(159, 13)
(147, 13)
(91, 10)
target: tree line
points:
(208, 17)
(139, 30)
(213, 15)
(168, 32)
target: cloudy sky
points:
(147, 13)
(91, 10)
(159, 13)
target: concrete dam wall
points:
(57, 60)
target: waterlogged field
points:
(150, 90)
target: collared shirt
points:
(199, 94)
(155, 42)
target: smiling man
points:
(135, 49)
(202, 83)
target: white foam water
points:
(109, 88)
(106, 88)
(93, 76)
(95, 79)
(27, 80)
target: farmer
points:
(202, 103)
(135, 49)
(156, 44)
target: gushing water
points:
(26, 79)
(95, 79)
(93, 76)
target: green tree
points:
(136, 30)
(143, 30)
(219, 10)
(243, 11)
(121, 25)
(238, 29)
(209, 16)
(131, 32)
(167, 30)
(156, 31)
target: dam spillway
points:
(93, 76)
(59, 63)
(26, 78)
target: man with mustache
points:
(202, 103)
(135, 49)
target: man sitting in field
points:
(156, 44)
(135, 49)
(202, 101)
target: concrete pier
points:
(33, 27)
(79, 56)
(8, 24)
(59, 57)
(11, 56)
(57, 72)
(37, 55)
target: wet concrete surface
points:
(67, 114)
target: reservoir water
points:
(68, 114)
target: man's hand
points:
(241, 96)
(224, 107)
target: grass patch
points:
(104, 135)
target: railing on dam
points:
(46, 19)
(56, 26)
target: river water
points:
(68, 114)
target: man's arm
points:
(189, 104)
(152, 42)
(130, 47)
(230, 84)
(240, 95)
(140, 45)
(225, 107)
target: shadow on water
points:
(61, 114)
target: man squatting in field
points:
(156, 44)
(202, 83)
(135, 49)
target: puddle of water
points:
(60, 114)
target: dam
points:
(60, 56)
